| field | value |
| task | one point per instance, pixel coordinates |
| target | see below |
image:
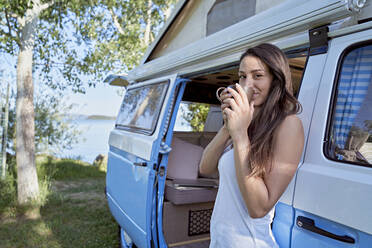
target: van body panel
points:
(341, 192)
(124, 206)
(284, 212)
(309, 90)
(132, 170)
(307, 95)
(283, 224)
(132, 143)
(365, 240)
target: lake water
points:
(93, 140)
(95, 135)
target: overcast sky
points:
(101, 100)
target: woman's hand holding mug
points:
(222, 94)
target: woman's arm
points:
(261, 194)
(213, 151)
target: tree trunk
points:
(5, 133)
(142, 107)
(27, 181)
(147, 35)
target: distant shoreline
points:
(100, 117)
(89, 117)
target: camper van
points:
(170, 113)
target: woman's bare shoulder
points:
(291, 121)
(291, 126)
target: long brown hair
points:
(279, 103)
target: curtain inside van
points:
(353, 88)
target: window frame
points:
(293, 53)
(330, 116)
(148, 132)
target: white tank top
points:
(231, 225)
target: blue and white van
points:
(153, 187)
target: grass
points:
(74, 212)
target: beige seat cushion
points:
(183, 160)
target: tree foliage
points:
(196, 115)
(53, 131)
(78, 42)
(69, 44)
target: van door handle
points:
(141, 164)
(309, 224)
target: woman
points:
(266, 140)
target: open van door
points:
(133, 159)
(333, 191)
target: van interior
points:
(188, 205)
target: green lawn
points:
(74, 213)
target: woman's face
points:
(255, 74)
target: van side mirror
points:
(117, 80)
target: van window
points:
(225, 13)
(297, 63)
(141, 107)
(191, 117)
(197, 123)
(350, 136)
